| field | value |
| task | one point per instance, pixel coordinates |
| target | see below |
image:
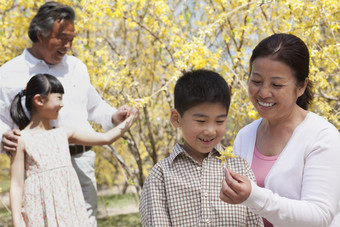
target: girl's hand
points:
(133, 116)
(235, 188)
(123, 113)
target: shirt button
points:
(207, 220)
(206, 194)
(199, 168)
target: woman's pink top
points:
(261, 166)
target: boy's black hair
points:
(199, 86)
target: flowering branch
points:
(226, 154)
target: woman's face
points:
(273, 89)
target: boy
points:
(184, 189)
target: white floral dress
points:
(52, 192)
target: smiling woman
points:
(296, 151)
(273, 89)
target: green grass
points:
(5, 217)
(120, 201)
(124, 220)
(117, 200)
(4, 185)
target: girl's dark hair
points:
(292, 51)
(42, 84)
(47, 14)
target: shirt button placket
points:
(205, 194)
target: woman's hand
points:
(235, 188)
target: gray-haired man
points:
(52, 33)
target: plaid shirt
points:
(182, 192)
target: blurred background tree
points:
(137, 49)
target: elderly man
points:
(52, 33)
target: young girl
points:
(45, 190)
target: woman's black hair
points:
(42, 84)
(292, 51)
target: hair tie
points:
(22, 93)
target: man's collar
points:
(33, 61)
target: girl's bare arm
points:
(95, 138)
(17, 183)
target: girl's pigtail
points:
(17, 112)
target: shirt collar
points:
(178, 150)
(33, 61)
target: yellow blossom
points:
(226, 154)
(138, 49)
(252, 114)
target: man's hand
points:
(121, 114)
(9, 140)
(235, 188)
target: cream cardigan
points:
(303, 186)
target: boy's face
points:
(203, 127)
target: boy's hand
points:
(9, 141)
(235, 188)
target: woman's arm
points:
(95, 138)
(17, 183)
(319, 188)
